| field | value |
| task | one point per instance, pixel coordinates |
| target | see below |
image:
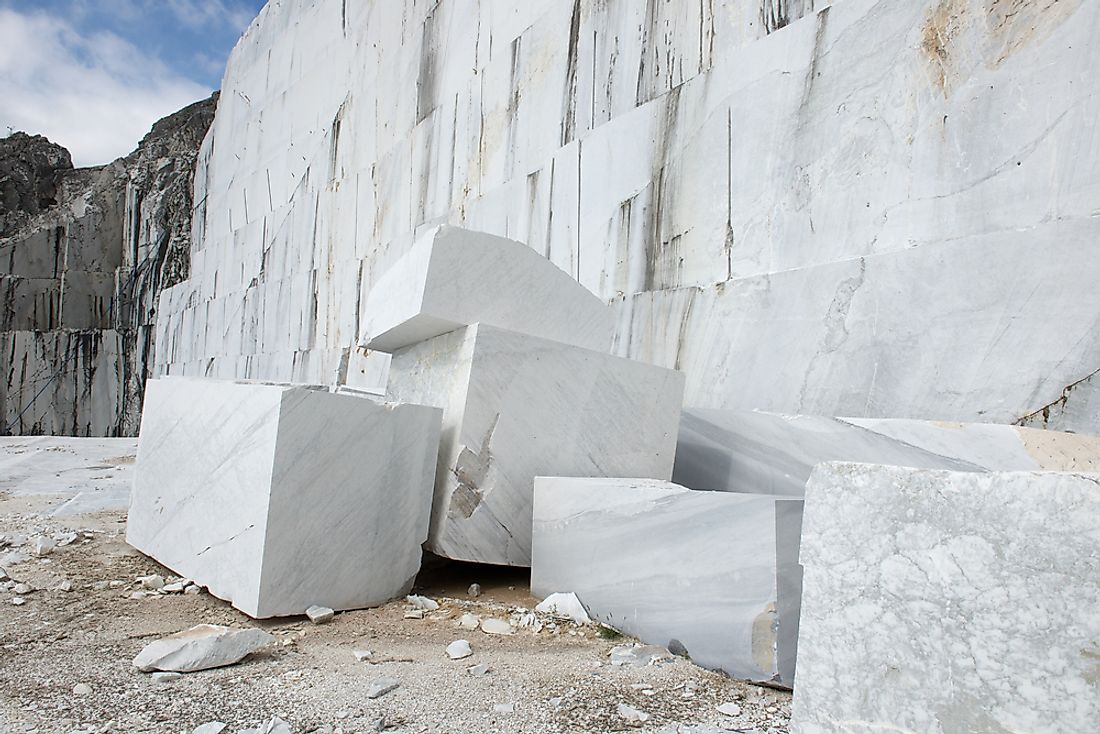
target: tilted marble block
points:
(516, 407)
(948, 603)
(715, 572)
(753, 451)
(454, 277)
(278, 497)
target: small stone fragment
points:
(82, 689)
(637, 655)
(201, 647)
(474, 590)
(4, 575)
(166, 676)
(565, 605)
(729, 709)
(176, 587)
(493, 626)
(100, 585)
(631, 714)
(43, 546)
(138, 595)
(320, 615)
(469, 621)
(153, 582)
(65, 586)
(459, 649)
(22, 589)
(381, 687)
(362, 655)
(504, 708)
(211, 727)
(18, 601)
(414, 614)
(192, 589)
(478, 670)
(64, 539)
(422, 602)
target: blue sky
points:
(94, 75)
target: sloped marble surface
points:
(83, 475)
(453, 278)
(516, 407)
(753, 451)
(709, 570)
(277, 497)
(947, 602)
(881, 208)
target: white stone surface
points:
(454, 277)
(200, 648)
(563, 604)
(883, 208)
(516, 407)
(946, 602)
(277, 498)
(753, 451)
(82, 475)
(714, 572)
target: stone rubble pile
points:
(501, 436)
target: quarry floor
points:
(57, 640)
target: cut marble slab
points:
(453, 277)
(745, 450)
(948, 602)
(714, 573)
(516, 407)
(277, 497)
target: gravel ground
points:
(556, 680)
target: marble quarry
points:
(84, 254)
(279, 497)
(516, 406)
(454, 277)
(794, 232)
(713, 575)
(940, 601)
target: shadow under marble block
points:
(515, 407)
(949, 602)
(278, 497)
(715, 573)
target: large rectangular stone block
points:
(713, 573)
(516, 407)
(754, 451)
(453, 277)
(949, 603)
(278, 497)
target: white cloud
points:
(96, 94)
(212, 13)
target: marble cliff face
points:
(84, 254)
(875, 208)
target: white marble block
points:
(516, 407)
(948, 603)
(714, 573)
(754, 451)
(278, 497)
(454, 277)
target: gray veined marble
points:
(949, 603)
(715, 573)
(278, 497)
(515, 407)
(754, 451)
(454, 277)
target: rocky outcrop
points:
(84, 253)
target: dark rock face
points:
(84, 255)
(30, 170)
